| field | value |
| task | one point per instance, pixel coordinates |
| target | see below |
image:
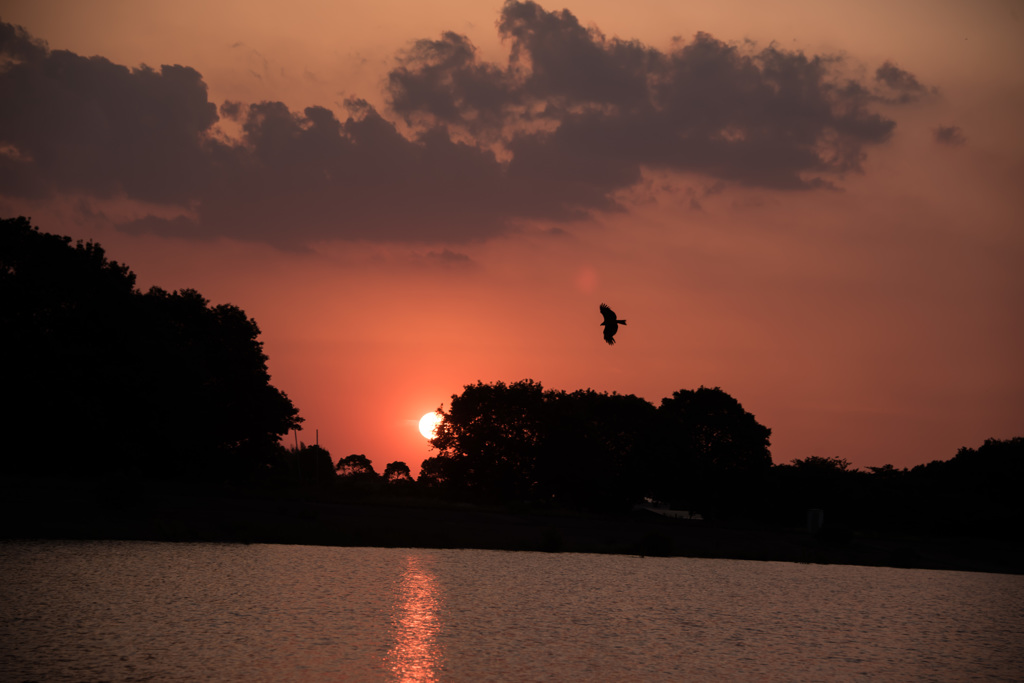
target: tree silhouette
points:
(977, 491)
(158, 383)
(597, 449)
(62, 308)
(356, 465)
(714, 453)
(489, 438)
(309, 463)
(594, 450)
(397, 472)
(824, 482)
(208, 362)
(437, 475)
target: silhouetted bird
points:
(611, 325)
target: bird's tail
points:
(621, 322)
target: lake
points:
(138, 611)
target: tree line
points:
(596, 450)
(102, 378)
(700, 451)
(519, 444)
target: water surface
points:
(136, 611)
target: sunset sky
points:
(816, 206)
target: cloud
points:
(587, 112)
(950, 135)
(87, 125)
(309, 176)
(903, 87)
(450, 258)
(571, 120)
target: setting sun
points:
(428, 425)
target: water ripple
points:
(131, 611)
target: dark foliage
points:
(356, 465)
(701, 451)
(978, 488)
(102, 378)
(304, 464)
(593, 450)
(975, 493)
(490, 440)
(397, 473)
(714, 454)
(597, 450)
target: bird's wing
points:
(609, 314)
(609, 334)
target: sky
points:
(815, 206)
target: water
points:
(133, 611)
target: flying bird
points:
(611, 325)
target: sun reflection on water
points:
(416, 654)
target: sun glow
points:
(428, 425)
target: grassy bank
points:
(110, 509)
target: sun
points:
(428, 425)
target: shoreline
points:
(64, 510)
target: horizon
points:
(850, 274)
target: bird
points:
(611, 325)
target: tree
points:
(489, 438)
(436, 474)
(310, 463)
(159, 383)
(823, 464)
(62, 308)
(397, 472)
(356, 465)
(714, 454)
(215, 399)
(977, 491)
(520, 442)
(818, 481)
(597, 449)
